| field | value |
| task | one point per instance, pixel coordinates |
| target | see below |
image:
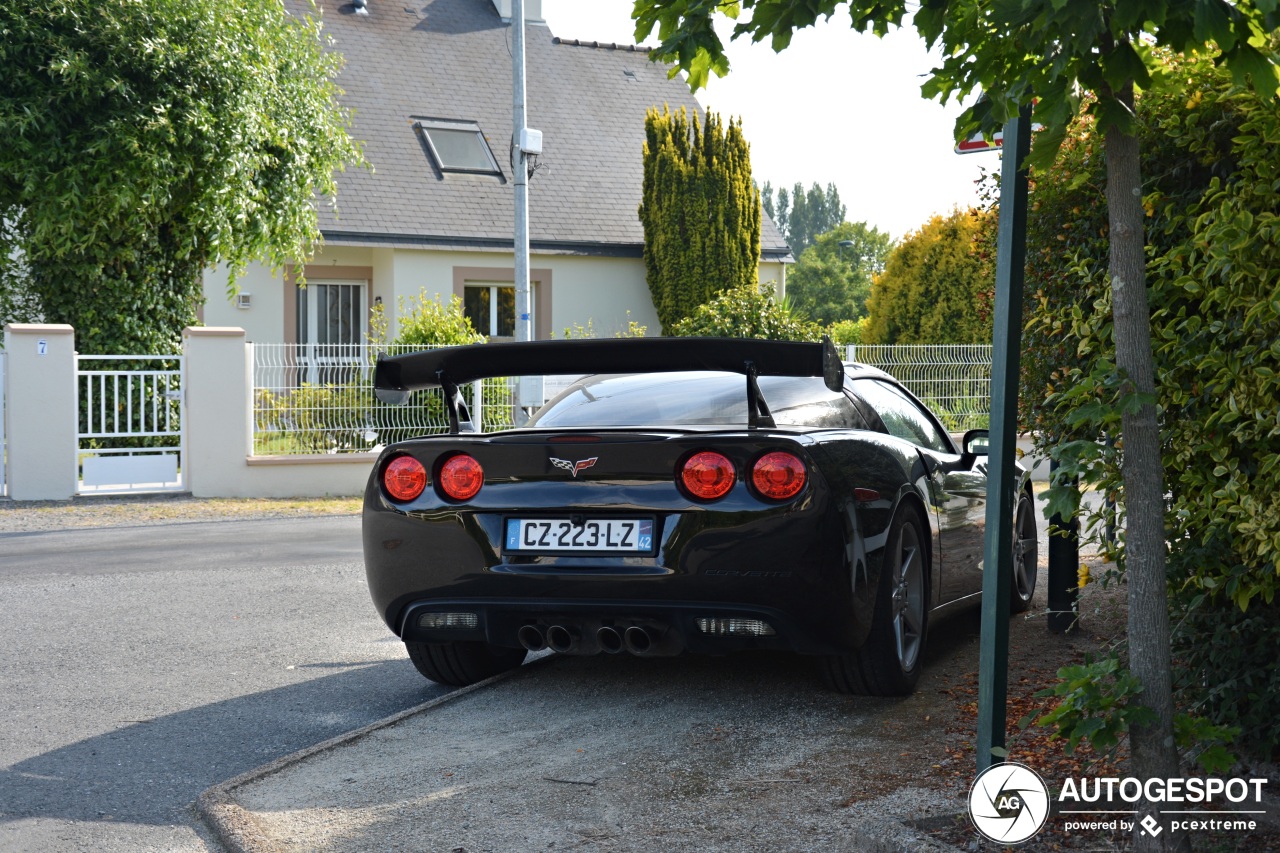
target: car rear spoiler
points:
(448, 367)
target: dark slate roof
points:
(450, 59)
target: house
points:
(429, 82)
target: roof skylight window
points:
(458, 146)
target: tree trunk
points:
(1154, 754)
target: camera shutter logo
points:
(1009, 803)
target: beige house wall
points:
(774, 273)
(605, 292)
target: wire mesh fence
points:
(954, 380)
(314, 398)
(318, 398)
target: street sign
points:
(976, 143)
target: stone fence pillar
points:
(42, 418)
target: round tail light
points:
(707, 475)
(405, 478)
(461, 477)
(778, 475)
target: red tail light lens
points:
(461, 477)
(405, 478)
(778, 475)
(707, 475)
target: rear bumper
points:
(673, 625)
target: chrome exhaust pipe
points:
(638, 640)
(609, 639)
(530, 636)
(561, 639)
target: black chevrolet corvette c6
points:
(703, 495)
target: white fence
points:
(130, 432)
(310, 399)
(251, 424)
(954, 380)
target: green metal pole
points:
(997, 575)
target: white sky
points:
(836, 106)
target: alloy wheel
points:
(908, 597)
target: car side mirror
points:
(976, 442)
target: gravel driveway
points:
(34, 516)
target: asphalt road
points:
(140, 665)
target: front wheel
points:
(888, 663)
(460, 664)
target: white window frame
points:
(493, 287)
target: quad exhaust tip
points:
(609, 639)
(561, 639)
(639, 641)
(531, 637)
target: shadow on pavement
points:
(151, 771)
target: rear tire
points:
(460, 664)
(888, 663)
(1026, 555)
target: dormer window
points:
(458, 146)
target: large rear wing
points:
(448, 367)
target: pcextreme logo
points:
(1009, 803)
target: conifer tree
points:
(700, 211)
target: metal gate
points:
(131, 437)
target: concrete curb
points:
(235, 827)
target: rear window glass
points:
(694, 399)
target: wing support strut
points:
(758, 414)
(459, 414)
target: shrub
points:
(425, 322)
(846, 332)
(746, 312)
(316, 419)
(577, 330)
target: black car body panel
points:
(808, 566)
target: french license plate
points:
(626, 535)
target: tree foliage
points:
(1214, 261)
(746, 312)
(832, 282)
(1047, 52)
(144, 140)
(803, 215)
(937, 284)
(700, 212)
